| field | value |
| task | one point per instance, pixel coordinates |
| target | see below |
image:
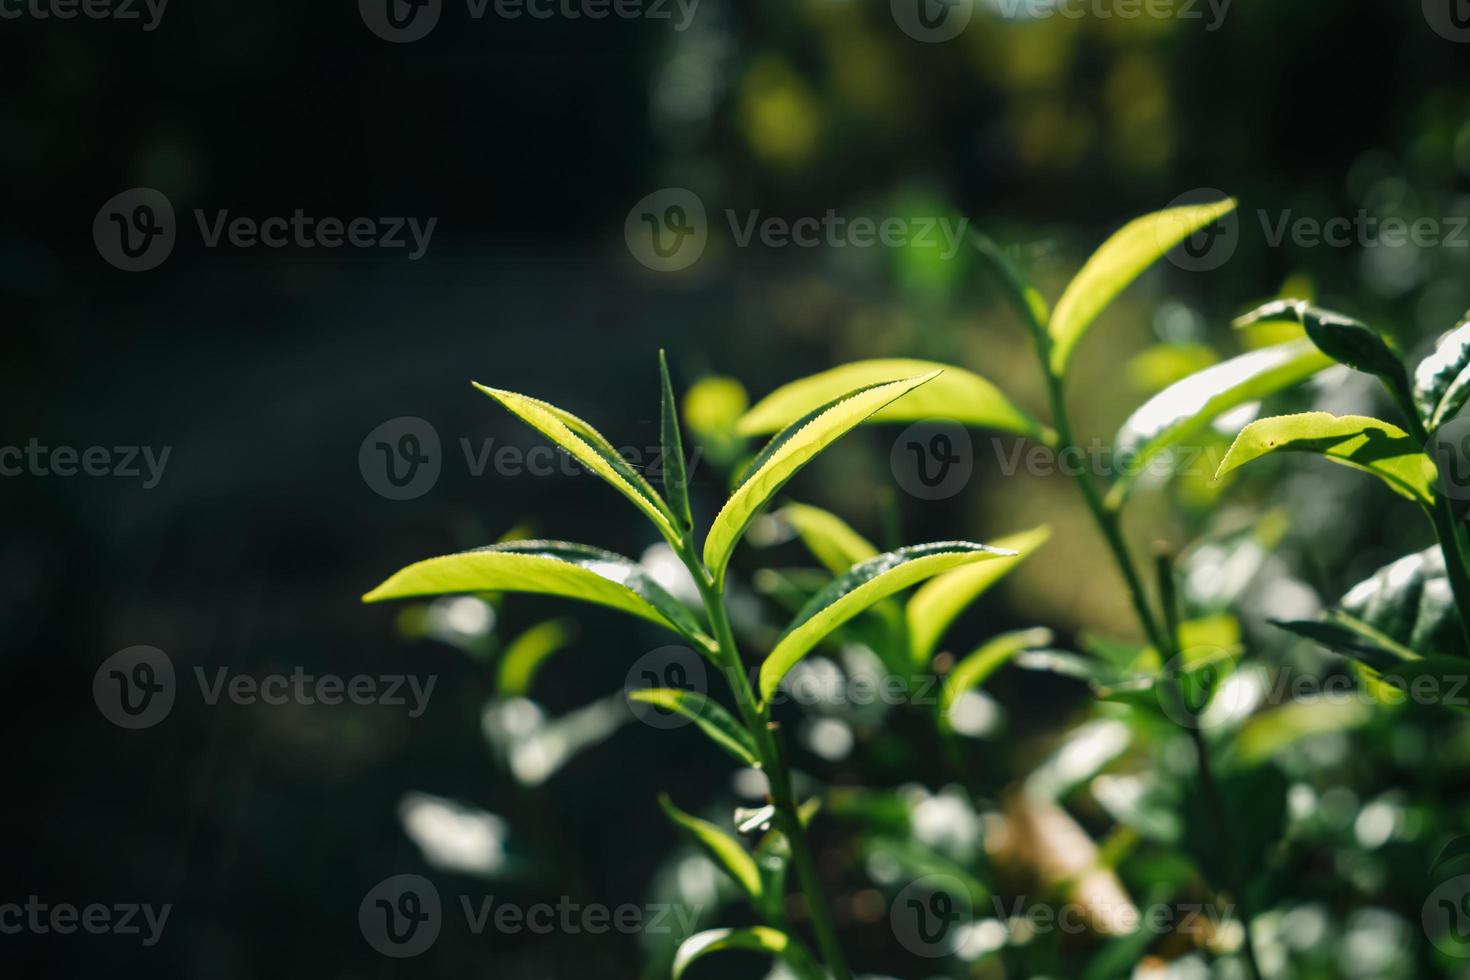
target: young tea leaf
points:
(711, 718)
(1363, 443)
(761, 939)
(1442, 380)
(1024, 296)
(1115, 265)
(863, 586)
(835, 544)
(975, 669)
(574, 571)
(957, 395)
(786, 454)
(723, 849)
(1188, 407)
(1410, 601)
(1351, 342)
(938, 602)
(676, 478)
(525, 654)
(588, 447)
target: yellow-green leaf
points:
(976, 668)
(936, 604)
(723, 849)
(1190, 406)
(834, 543)
(863, 586)
(1122, 259)
(1368, 444)
(761, 939)
(588, 447)
(547, 568)
(525, 654)
(957, 394)
(786, 454)
(709, 716)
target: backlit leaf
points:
(1363, 443)
(1442, 380)
(723, 849)
(1115, 265)
(588, 447)
(790, 450)
(762, 939)
(676, 479)
(1188, 407)
(958, 395)
(937, 603)
(862, 586)
(834, 543)
(975, 669)
(574, 571)
(524, 655)
(710, 716)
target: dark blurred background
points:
(529, 140)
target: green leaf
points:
(524, 655)
(1187, 407)
(1115, 265)
(1442, 380)
(721, 848)
(1267, 733)
(957, 395)
(834, 543)
(676, 480)
(711, 718)
(1342, 338)
(786, 454)
(1410, 602)
(936, 604)
(761, 939)
(1363, 443)
(976, 668)
(588, 447)
(574, 571)
(864, 585)
(1024, 296)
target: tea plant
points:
(589, 574)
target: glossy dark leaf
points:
(1442, 380)
(676, 478)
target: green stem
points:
(1214, 799)
(1163, 640)
(757, 722)
(1452, 542)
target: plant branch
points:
(757, 721)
